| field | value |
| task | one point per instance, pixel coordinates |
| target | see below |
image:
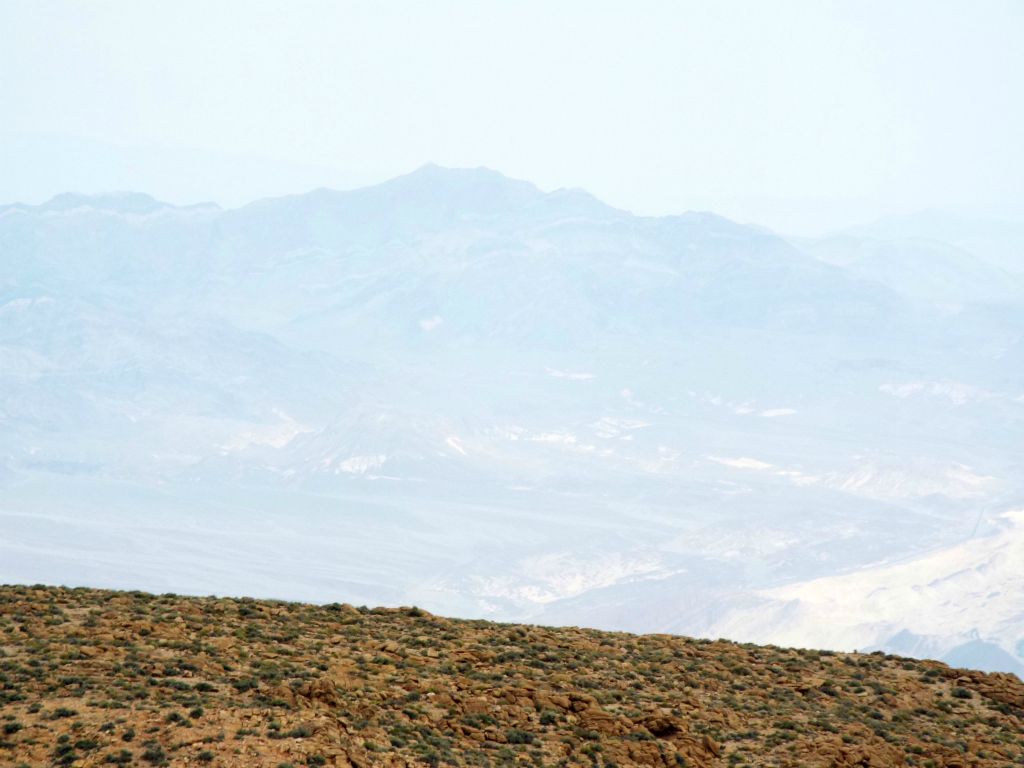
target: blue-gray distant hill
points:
(456, 390)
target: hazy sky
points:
(798, 115)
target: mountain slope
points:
(97, 678)
(936, 605)
(999, 242)
(458, 390)
(924, 270)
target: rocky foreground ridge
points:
(99, 678)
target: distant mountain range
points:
(455, 390)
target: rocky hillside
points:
(91, 678)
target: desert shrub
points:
(154, 754)
(517, 736)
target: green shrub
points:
(517, 736)
(154, 754)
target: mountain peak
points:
(436, 172)
(477, 188)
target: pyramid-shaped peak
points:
(466, 189)
(475, 178)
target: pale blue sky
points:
(797, 115)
